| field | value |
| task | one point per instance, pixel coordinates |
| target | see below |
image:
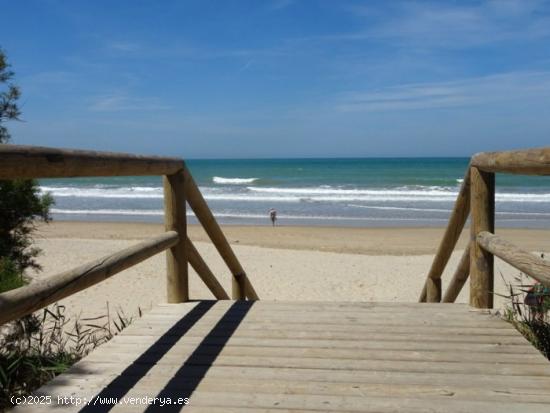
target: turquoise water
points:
(350, 192)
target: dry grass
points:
(36, 348)
(529, 311)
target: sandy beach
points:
(284, 263)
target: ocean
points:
(366, 192)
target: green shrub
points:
(10, 277)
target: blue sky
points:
(281, 78)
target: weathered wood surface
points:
(456, 223)
(38, 162)
(47, 290)
(526, 162)
(177, 278)
(483, 219)
(295, 357)
(530, 264)
(459, 277)
(242, 287)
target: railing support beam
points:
(459, 278)
(241, 286)
(482, 188)
(177, 280)
(452, 233)
(433, 288)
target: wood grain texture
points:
(456, 223)
(233, 360)
(483, 219)
(175, 219)
(39, 162)
(47, 290)
(460, 276)
(526, 162)
(528, 263)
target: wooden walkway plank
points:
(315, 357)
(412, 345)
(122, 352)
(105, 372)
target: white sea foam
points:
(104, 192)
(324, 190)
(293, 195)
(233, 181)
(134, 212)
(389, 208)
(141, 212)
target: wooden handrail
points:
(47, 290)
(40, 162)
(242, 288)
(452, 233)
(526, 162)
(28, 162)
(477, 196)
(524, 261)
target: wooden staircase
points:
(260, 356)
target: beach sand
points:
(283, 263)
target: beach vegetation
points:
(528, 309)
(35, 350)
(21, 202)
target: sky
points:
(281, 78)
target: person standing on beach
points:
(273, 215)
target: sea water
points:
(363, 192)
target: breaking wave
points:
(233, 181)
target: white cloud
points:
(453, 26)
(458, 93)
(121, 102)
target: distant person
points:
(273, 215)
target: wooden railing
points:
(179, 189)
(477, 194)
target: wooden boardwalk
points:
(263, 356)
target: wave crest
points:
(233, 181)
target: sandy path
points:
(277, 274)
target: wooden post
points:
(483, 219)
(177, 282)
